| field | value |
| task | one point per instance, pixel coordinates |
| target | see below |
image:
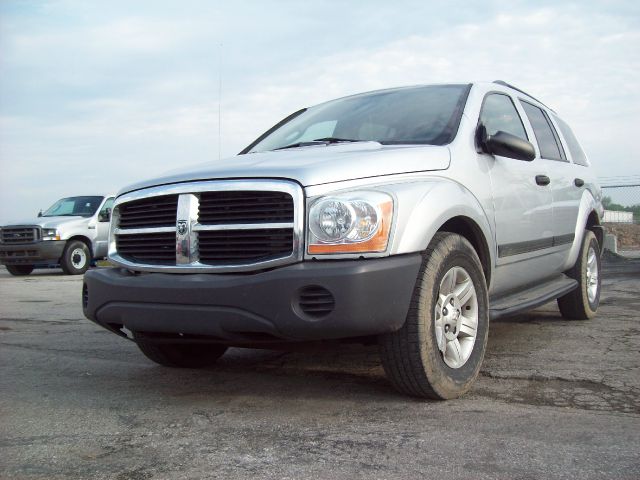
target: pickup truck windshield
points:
(411, 115)
(74, 207)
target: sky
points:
(96, 95)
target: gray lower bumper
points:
(371, 297)
(31, 253)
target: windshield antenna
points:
(220, 101)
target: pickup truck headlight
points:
(50, 234)
(356, 222)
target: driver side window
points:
(500, 114)
(108, 205)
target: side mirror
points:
(104, 215)
(505, 145)
(39, 213)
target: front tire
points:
(180, 355)
(76, 258)
(19, 270)
(582, 303)
(438, 352)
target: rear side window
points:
(577, 154)
(547, 138)
(500, 114)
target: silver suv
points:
(408, 217)
(70, 233)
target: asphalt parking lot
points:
(555, 399)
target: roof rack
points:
(505, 84)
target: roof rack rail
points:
(505, 84)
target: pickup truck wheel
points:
(582, 303)
(19, 270)
(181, 355)
(76, 258)
(438, 352)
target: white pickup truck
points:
(70, 233)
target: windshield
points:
(74, 206)
(412, 115)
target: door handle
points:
(578, 182)
(542, 180)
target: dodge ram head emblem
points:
(182, 227)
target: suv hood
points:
(49, 222)
(314, 165)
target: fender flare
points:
(441, 201)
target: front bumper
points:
(371, 297)
(30, 253)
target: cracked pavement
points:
(555, 399)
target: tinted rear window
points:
(545, 136)
(577, 154)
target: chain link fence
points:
(621, 200)
(622, 203)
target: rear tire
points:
(76, 258)
(438, 351)
(582, 303)
(19, 270)
(185, 355)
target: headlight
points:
(50, 234)
(357, 222)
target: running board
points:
(531, 297)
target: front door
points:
(102, 228)
(522, 202)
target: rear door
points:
(522, 201)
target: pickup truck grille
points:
(17, 235)
(209, 226)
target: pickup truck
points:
(71, 233)
(408, 217)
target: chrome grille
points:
(17, 235)
(216, 226)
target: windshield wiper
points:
(336, 140)
(318, 141)
(302, 144)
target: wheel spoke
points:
(449, 281)
(454, 352)
(468, 326)
(442, 343)
(464, 291)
